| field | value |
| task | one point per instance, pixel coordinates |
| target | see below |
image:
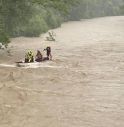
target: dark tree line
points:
(122, 8)
(31, 18)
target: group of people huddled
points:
(29, 56)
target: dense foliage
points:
(122, 8)
(96, 8)
(31, 18)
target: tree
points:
(31, 18)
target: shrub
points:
(4, 39)
(35, 27)
(53, 19)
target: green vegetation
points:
(122, 8)
(95, 8)
(4, 38)
(31, 18)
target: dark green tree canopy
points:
(31, 18)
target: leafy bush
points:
(53, 19)
(4, 39)
(35, 27)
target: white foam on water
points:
(38, 65)
(7, 65)
(43, 66)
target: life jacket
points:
(29, 56)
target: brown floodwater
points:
(82, 87)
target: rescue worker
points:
(39, 56)
(48, 53)
(29, 57)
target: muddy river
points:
(82, 87)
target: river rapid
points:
(82, 87)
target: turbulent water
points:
(82, 87)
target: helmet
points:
(30, 52)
